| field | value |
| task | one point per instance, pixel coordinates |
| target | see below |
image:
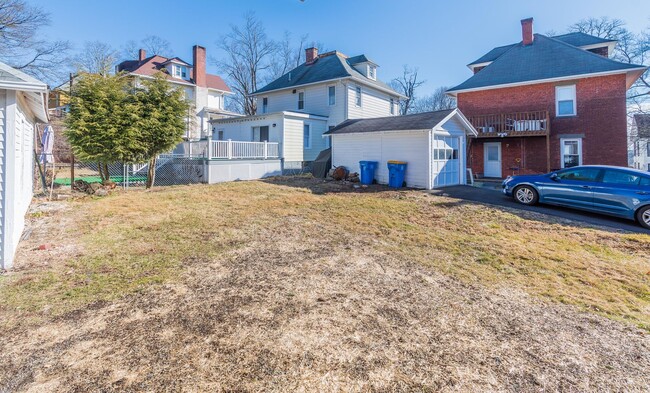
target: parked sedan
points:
(616, 191)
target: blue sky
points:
(439, 37)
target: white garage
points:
(432, 143)
(22, 105)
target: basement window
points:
(565, 100)
(571, 151)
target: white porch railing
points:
(229, 150)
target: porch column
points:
(209, 146)
(266, 150)
(230, 149)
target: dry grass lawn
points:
(295, 284)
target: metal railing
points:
(511, 124)
(231, 150)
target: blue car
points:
(616, 191)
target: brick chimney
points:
(527, 31)
(142, 54)
(311, 54)
(199, 66)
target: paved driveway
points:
(495, 197)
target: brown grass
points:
(286, 285)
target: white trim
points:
(573, 98)
(562, 140)
(537, 81)
(610, 46)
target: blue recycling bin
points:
(396, 173)
(368, 169)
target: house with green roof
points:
(296, 109)
(546, 103)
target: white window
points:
(358, 96)
(392, 106)
(301, 100)
(647, 147)
(306, 136)
(571, 152)
(180, 71)
(372, 72)
(265, 104)
(331, 92)
(565, 100)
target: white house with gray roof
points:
(296, 109)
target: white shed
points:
(22, 105)
(434, 145)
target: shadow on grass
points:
(549, 214)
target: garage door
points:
(446, 161)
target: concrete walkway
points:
(496, 198)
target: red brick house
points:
(546, 103)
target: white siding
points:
(241, 129)
(17, 134)
(3, 136)
(455, 127)
(215, 100)
(316, 101)
(373, 103)
(409, 146)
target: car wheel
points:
(526, 195)
(643, 216)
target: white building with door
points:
(641, 142)
(433, 144)
(296, 109)
(22, 105)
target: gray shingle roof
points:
(326, 68)
(642, 122)
(545, 58)
(575, 39)
(417, 121)
(581, 39)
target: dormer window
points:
(372, 72)
(179, 71)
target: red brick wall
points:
(601, 118)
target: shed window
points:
(565, 100)
(265, 104)
(358, 96)
(392, 106)
(647, 147)
(301, 100)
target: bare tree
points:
(407, 84)
(96, 58)
(436, 101)
(152, 44)
(631, 48)
(20, 46)
(248, 52)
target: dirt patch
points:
(292, 290)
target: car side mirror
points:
(555, 177)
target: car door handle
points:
(643, 192)
(587, 187)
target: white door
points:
(492, 154)
(446, 161)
